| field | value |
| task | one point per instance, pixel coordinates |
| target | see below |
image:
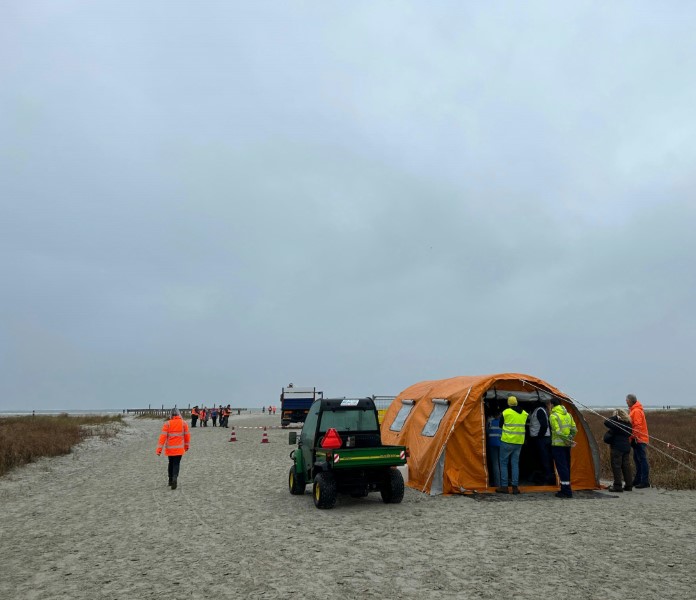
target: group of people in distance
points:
(550, 430)
(205, 414)
(271, 409)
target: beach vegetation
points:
(27, 438)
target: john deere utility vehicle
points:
(340, 451)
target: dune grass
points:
(24, 439)
(676, 427)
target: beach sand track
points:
(102, 523)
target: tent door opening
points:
(535, 465)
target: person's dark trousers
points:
(215, 422)
(561, 457)
(494, 473)
(173, 468)
(621, 467)
(542, 449)
(640, 458)
(194, 419)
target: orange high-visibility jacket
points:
(640, 425)
(194, 412)
(175, 437)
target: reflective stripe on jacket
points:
(494, 431)
(563, 427)
(175, 437)
(513, 426)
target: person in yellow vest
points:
(175, 439)
(563, 430)
(511, 440)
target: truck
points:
(340, 450)
(295, 403)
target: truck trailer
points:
(295, 403)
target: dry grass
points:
(678, 428)
(24, 439)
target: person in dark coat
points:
(618, 437)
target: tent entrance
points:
(536, 465)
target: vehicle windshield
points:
(349, 420)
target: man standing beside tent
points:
(511, 441)
(563, 431)
(639, 441)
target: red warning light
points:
(331, 439)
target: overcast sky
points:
(201, 201)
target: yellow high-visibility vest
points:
(513, 426)
(563, 427)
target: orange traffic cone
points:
(264, 437)
(233, 436)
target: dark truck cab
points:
(340, 450)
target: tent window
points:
(440, 407)
(402, 415)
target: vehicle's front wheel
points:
(392, 488)
(325, 490)
(296, 482)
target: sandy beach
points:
(102, 523)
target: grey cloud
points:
(205, 205)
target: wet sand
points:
(102, 523)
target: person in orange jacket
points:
(194, 416)
(639, 441)
(175, 439)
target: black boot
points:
(173, 484)
(170, 481)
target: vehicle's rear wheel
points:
(325, 490)
(392, 488)
(296, 482)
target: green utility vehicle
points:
(340, 451)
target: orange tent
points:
(443, 424)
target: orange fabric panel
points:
(465, 461)
(582, 473)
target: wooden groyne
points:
(165, 412)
